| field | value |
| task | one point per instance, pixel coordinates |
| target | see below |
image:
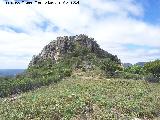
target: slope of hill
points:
(86, 96)
(73, 79)
(57, 60)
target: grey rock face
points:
(57, 48)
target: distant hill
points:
(140, 63)
(10, 72)
(126, 64)
(129, 64)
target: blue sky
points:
(152, 8)
(129, 29)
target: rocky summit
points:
(67, 44)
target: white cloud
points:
(111, 23)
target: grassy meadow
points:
(86, 96)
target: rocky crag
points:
(63, 45)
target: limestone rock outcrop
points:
(63, 45)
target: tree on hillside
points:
(153, 68)
(135, 69)
(109, 66)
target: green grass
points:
(86, 96)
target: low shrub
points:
(151, 78)
(153, 71)
(126, 75)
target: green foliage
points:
(83, 97)
(135, 69)
(35, 77)
(135, 72)
(153, 67)
(127, 75)
(80, 51)
(109, 66)
(151, 78)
